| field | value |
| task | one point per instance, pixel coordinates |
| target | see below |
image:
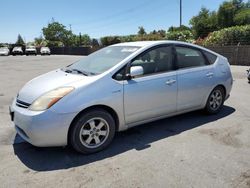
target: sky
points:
(97, 18)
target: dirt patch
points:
(224, 136)
(243, 180)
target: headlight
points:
(50, 98)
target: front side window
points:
(102, 60)
(155, 61)
(189, 57)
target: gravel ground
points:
(190, 150)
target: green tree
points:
(109, 40)
(85, 40)
(204, 23)
(160, 32)
(226, 14)
(56, 34)
(141, 31)
(181, 28)
(242, 17)
(20, 40)
(95, 43)
(40, 41)
(234, 12)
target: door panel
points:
(195, 77)
(150, 96)
(193, 85)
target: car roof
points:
(143, 44)
(149, 43)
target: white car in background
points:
(30, 50)
(45, 51)
(4, 51)
(17, 51)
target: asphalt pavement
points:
(189, 150)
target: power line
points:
(116, 15)
(121, 20)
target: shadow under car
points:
(139, 138)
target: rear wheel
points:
(92, 132)
(215, 100)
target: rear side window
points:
(210, 57)
(189, 57)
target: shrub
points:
(185, 35)
(229, 36)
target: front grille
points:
(22, 104)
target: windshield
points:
(44, 48)
(30, 47)
(3, 49)
(102, 60)
(17, 48)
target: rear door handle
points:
(209, 74)
(170, 82)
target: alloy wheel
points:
(94, 132)
(215, 100)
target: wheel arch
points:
(223, 87)
(110, 110)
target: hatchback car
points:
(4, 51)
(30, 50)
(17, 50)
(45, 51)
(118, 87)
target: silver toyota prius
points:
(118, 87)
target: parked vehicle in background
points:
(30, 50)
(17, 51)
(248, 75)
(45, 51)
(116, 88)
(4, 51)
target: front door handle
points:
(209, 74)
(170, 82)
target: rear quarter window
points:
(210, 57)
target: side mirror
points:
(136, 71)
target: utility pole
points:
(80, 39)
(180, 13)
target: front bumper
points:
(43, 129)
(45, 52)
(17, 53)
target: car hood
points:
(47, 82)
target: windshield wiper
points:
(80, 72)
(85, 73)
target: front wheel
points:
(215, 100)
(92, 132)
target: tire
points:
(92, 132)
(215, 100)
